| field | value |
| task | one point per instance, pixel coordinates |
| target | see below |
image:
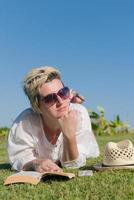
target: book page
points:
(68, 175)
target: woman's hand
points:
(42, 165)
(47, 165)
(68, 124)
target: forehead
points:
(50, 87)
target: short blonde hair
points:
(35, 79)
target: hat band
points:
(103, 165)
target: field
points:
(114, 185)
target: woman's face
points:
(53, 109)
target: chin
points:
(60, 114)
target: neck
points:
(51, 129)
(50, 124)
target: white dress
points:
(27, 140)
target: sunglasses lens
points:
(50, 99)
(64, 93)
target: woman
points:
(53, 130)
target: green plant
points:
(4, 131)
(102, 126)
(119, 126)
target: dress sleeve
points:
(20, 144)
(86, 141)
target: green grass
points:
(114, 185)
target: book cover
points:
(33, 177)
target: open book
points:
(33, 177)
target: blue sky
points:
(90, 42)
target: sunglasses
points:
(52, 98)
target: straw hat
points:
(118, 155)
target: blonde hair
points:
(35, 79)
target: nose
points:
(59, 100)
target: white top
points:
(27, 140)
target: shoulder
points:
(27, 122)
(27, 114)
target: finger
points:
(40, 169)
(56, 167)
(52, 166)
(60, 170)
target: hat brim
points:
(101, 167)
